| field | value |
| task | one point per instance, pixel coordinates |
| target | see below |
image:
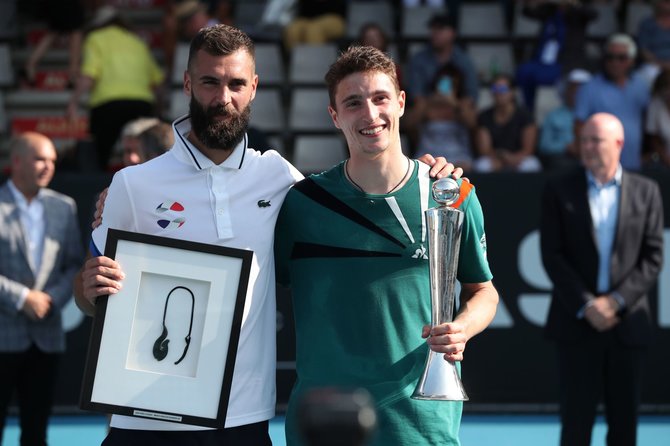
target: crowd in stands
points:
(506, 117)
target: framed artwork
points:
(164, 346)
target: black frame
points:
(94, 350)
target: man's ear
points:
(187, 84)
(254, 86)
(333, 116)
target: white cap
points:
(579, 76)
(135, 127)
(103, 15)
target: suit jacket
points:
(570, 255)
(61, 259)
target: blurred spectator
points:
(619, 92)
(128, 144)
(155, 141)
(560, 45)
(422, 69)
(183, 19)
(192, 16)
(601, 239)
(371, 34)
(657, 124)
(143, 139)
(41, 251)
(441, 49)
(506, 133)
(556, 148)
(275, 16)
(316, 22)
(446, 119)
(223, 11)
(121, 75)
(653, 37)
(450, 6)
(62, 17)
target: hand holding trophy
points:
(440, 380)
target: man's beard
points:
(215, 134)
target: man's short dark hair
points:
(359, 59)
(220, 40)
(441, 20)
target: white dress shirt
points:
(31, 215)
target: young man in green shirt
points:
(351, 243)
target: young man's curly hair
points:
(359, 59)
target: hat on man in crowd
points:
(579, 76)
(187, 9)
(103, 16)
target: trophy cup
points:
(440, 380)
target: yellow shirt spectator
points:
(121, 65)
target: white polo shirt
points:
(233, 204)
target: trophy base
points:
(440, 381)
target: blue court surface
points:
(476, 430)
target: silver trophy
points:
(440, 380)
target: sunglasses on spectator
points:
(621, 57)
(500, 88)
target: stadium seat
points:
(37, 99)
(267, 111)
(178, 104)
(269, 64)
(248, 13)
(277, 144)
(179, 64)
(547, 99)
(309, 112)
(6, 70)
(491, 58)
(481, 20)
(360, 13)
(484, 99)
(309, 63)
(605, 24)
(635, 13)
(414, 22)
(314, 154)
(522, 26)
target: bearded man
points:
(216, 181)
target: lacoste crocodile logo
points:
(264, 203)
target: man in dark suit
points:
(40, 252)
(602, 241)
